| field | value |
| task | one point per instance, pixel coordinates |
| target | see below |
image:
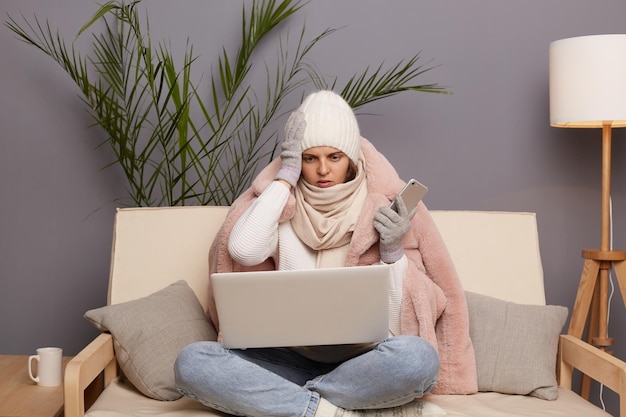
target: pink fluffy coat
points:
(433, 303)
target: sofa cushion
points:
(515, 345)
(149, 332)
(120, 400)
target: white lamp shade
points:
(588, 81)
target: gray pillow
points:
(515, 345)
(149, 332)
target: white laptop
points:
(302, 308)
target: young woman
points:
(318, 211)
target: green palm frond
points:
(371, 86)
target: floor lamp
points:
(588, 90)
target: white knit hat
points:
(330, 122)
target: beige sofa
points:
(496, 255)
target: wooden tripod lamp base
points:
(593, 296)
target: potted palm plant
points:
(180, 142)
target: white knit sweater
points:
(257, 236)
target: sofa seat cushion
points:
(494, 404)
(120, 399)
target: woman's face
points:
(324, 166)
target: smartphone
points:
(412, 194)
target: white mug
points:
(49, 366)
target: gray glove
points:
(291, 155)
(392, 226)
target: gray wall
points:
(488, 146)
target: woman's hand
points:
(392, 226)
(291, 155)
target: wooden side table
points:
(21, 397)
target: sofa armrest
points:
(593, 362)
(97, 358)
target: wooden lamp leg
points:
(586, 288)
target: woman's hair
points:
(351, 173)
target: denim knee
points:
(190, 358)
(419, 359)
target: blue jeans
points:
(279, 382)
